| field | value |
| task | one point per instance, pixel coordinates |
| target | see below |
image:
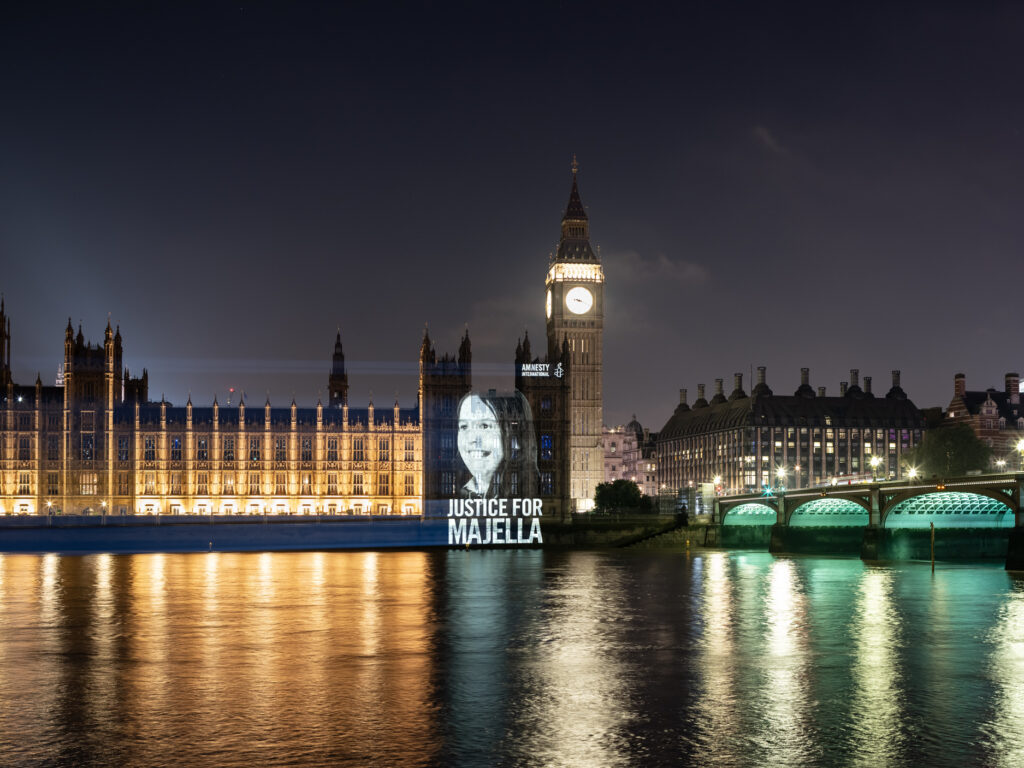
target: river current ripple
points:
(517, 658)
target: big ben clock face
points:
(579, 300)
(547, 305)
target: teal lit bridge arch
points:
(750, 513)
(831, 512)
(951, 509)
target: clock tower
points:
(574, 305)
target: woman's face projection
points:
(479, 439)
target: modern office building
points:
(750, 442)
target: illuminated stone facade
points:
(97, 445)
(996, 417)
(574, 305)
(629, 454)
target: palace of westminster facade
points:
(96, 443)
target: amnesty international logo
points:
(559, 371)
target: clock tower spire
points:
(575, 313)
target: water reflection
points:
(1006, 668)
(785, 735)
(506, 658)
(580, 703)
(875, 711)
(716, 721)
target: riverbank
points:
(126, 534)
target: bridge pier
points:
(1015, 549)
(869, 545)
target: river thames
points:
(531, 658)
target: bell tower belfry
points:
(574, 306)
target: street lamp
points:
(876, 462)
(912, 473)
(1001, 463)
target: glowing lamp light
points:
(780, 472)
(717, 479)
(912, 473)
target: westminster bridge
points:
(975, 516)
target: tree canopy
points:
(619, 494)
(950, 451)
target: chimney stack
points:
(805, 377)
(682, 397)
(959, 385)
(842, 388)
(855, 377)
(760, 374)
(1013, 388)
(895, 379)
(867, 385)
(821, 391)
(719, 388)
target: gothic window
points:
(280, 449)
(410, 449)
(357, 484)
(357, 449)
(306, 485)
(254, 449)
(175, 449)
(383, 449)
(202, 483)
(307, 449)
(88, 483)
(229, 485)
(410, 484)
(383, 484)
(254, 483)
(52, 483)
(175, 483)
(547, 485)
(24, 449)
(332, 449)
(202, 450)
(122, 483)
(448, 483)
(547, 447)
(52, 449)
(88, 447)
(25, 483)
(332, 484)
(280, 485)
(150, 484)
(229, 449)
(149, 449)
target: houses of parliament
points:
(97, 444)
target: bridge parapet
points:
(879, 499)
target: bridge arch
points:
(750, 513)
(951, 509)
(830, 512)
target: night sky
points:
(828, 185)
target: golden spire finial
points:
(575, 165)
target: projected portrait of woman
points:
(497, 445)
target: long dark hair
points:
(517, 475)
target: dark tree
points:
(620, 494)
(950, 451)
